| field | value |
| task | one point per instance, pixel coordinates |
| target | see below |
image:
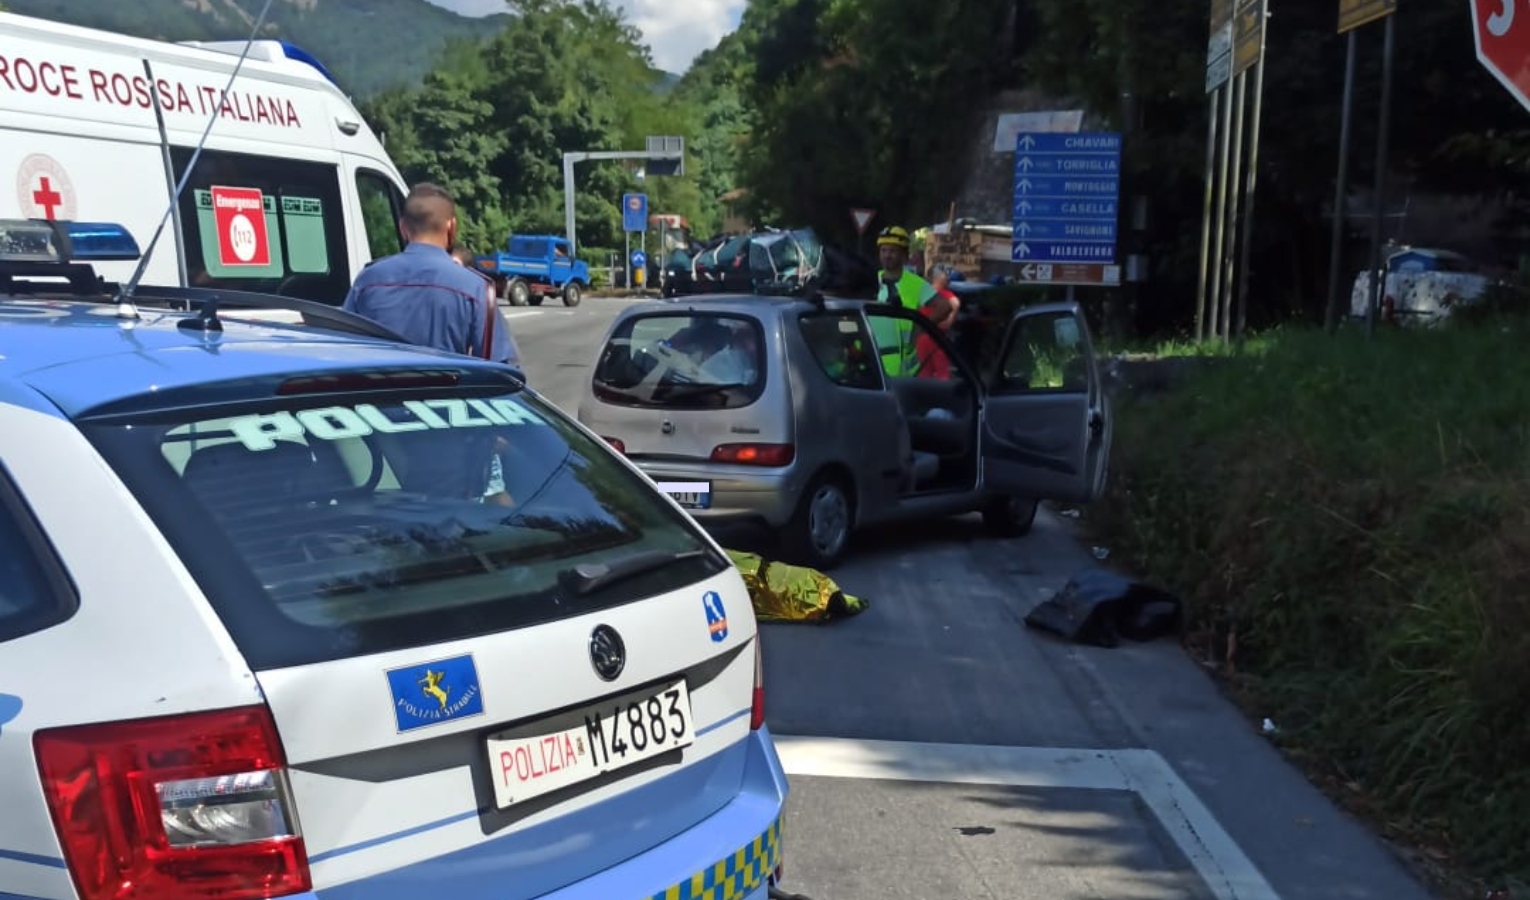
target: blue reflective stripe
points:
(34, 859)
(395, 836)
(718, 724)
(5, 896)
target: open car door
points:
(1047, 424)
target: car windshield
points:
(344, 526)
(698, 361)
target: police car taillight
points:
(194, 806)
(757, 706)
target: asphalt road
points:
(939, 749)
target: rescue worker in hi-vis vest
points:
(896, 283)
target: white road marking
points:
(1217, 858)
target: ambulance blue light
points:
(298, 53)
(100, 241)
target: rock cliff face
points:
(987, 194)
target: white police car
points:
(304, 611)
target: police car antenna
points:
(125, 306)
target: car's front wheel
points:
(819, 531)
(1009, 516)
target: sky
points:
(676, 31)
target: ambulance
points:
(292, 192)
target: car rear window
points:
(336, 526)
(683, 361)
(34, 591)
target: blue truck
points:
(533, 267)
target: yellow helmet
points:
(893, 236)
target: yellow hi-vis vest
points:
(895, 340)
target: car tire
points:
(519, 293)
(819, 532)
(572, 294)
(1008, 516)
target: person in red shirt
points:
(932, 358)
(940, 280)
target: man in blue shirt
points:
(424, 296)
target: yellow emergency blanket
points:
(781, 592)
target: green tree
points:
(711, 95)
(493, 121)
(1448, 130)
(865, 102)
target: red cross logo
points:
(46, 197)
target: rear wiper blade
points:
(698, 390)
(587, 578)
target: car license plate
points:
(689, 494)
(610, 736)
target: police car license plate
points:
(689, 494)
(529, 762)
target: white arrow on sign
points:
(1027, 142)
(1025, 185)
(1023, 249)
(1029, 271)
(1024, 229)
(1025, 206)
(1025, 163)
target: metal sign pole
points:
(1253, 175)
(1378, 277)
(1224, 302)
(1206, 215)
(1341, 189)
(1214, 300)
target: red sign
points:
(1502, 30)
(862, 218)
(240, 214)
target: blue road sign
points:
(634, 212)
(1067, 197)
(639, 259)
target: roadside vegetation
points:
(1348, 522)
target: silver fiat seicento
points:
(819, 416)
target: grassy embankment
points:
(1349, 525)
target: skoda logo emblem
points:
(667, 428)
(607, 652)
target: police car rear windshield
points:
(700, 361)
(328, 527)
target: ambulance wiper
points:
(586, 578)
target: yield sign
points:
(1502, 31)
(862, 218)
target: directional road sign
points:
(1219, 47)
(1070, 273)
(1067, 197)
(634, 212)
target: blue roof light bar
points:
(48, 241)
